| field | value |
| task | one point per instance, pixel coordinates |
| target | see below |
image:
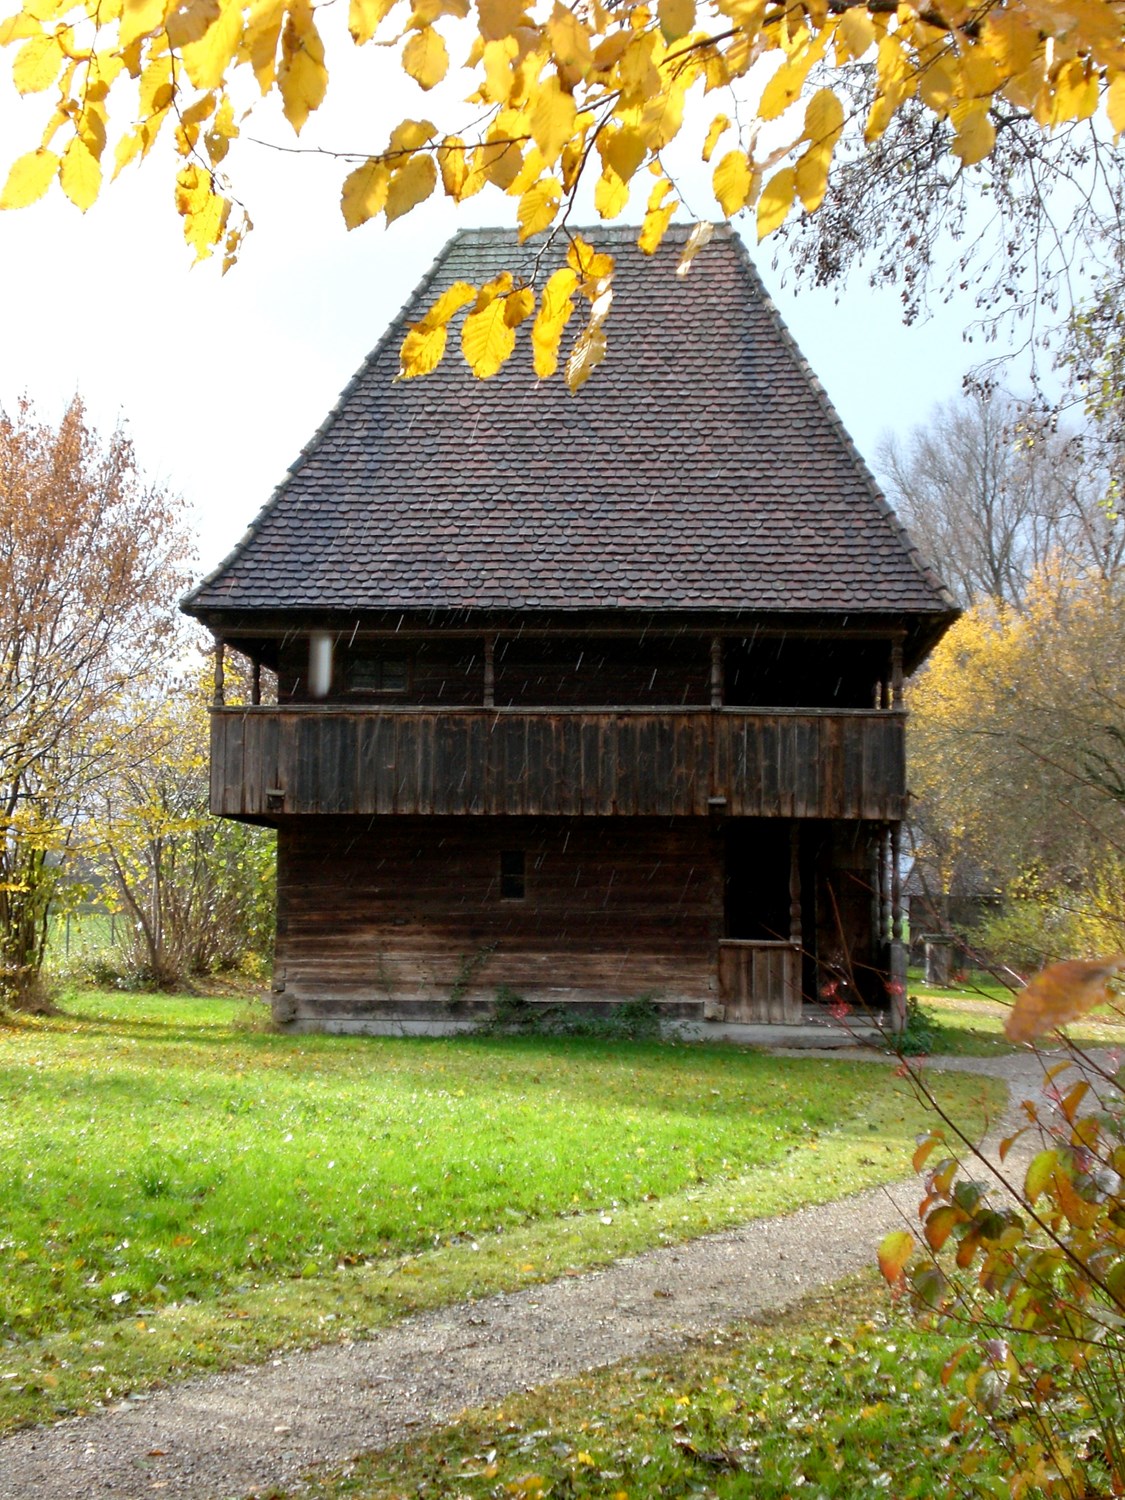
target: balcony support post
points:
(256, 685)
(716, 671)
(898, 947)
(217, 695)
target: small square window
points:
(378, 674)
(513, 877)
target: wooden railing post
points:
(898, 948)
(218, 695)
(716, 671)
(896, 883)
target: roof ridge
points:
(884, 506)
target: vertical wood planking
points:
(722, 729)
(406, 764)
(607, 765)
(427, 734)
(768, 738)
(786, 766)
(514, 736)
(753, 800)
(624, 767)
(806, 770)
(476, 763)
(384, 764)
(852, 758)
(669, 794)
(831, 771)
(234, 771)
(874, 787)
(557, 764)
(451, 763)
(218, 764)
(569, 750)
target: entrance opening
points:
(757, 880)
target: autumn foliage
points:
(1027, 1263)
(556, 94)
(91, 558)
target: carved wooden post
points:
(898, 947)
(896, 674)
(716, 672)
(256, 685)
(217, 697)
(490, 671)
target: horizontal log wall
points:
(268, 762)
(393, 918)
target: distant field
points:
(164, 1172)
(73, 940)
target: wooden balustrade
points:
(268, 762)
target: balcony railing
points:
(271, 762)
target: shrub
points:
(631, 1020)
(1034, 1275)
(919, 1034)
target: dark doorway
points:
(757, 880)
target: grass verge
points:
(968, 1021)
(181, 1195)
(837, 1397)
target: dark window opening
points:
(803, 672)
(378, 674)
(513, 876)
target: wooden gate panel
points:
(760, 983)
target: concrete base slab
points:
(818, 1035)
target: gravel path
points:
(244, 1433)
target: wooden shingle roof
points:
(701, 469)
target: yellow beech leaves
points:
(537, 97)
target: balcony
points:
(270, 762)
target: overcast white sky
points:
(220, 380)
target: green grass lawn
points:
(968, 1019)
(837, 1398)
(178, 1193)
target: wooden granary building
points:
(592, 697)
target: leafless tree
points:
(994, 493)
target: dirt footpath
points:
(240, 1434)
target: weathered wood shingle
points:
(702, 468)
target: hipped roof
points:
(701, 470)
